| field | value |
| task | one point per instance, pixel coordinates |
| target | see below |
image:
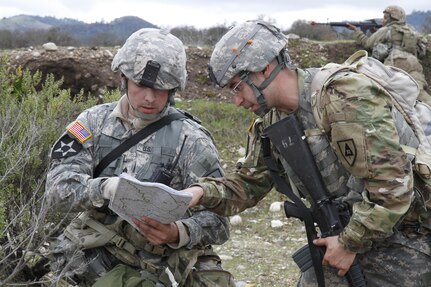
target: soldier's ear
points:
(123, 83)
(267, 71)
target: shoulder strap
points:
(148, 130)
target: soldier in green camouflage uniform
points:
(398, 44)
(97, 243)
(370, 171)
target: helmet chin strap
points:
(284, 61)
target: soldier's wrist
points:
(352, 238)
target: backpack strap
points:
(127, 144)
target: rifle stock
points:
(288, 138)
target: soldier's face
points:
(242, 94)
(146, 100)
(386, 18)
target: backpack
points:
(403, 90)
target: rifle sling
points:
(133, 140)
(304, 212)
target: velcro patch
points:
(65, 147)
(348, 140)
(81, 132)
(348, 150)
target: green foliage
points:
(227, 123)
(30, 122)
(189, 35)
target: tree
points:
(305, 29)
(426, 28)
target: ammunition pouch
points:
(196, 268)
(380, 52)
(89, 233)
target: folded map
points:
(134, 199)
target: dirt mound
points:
(89, 68)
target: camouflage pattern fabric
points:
(406, 263)
(365, 139)
(242, 46)
(392, 35)
(70, 186)
(144, 46)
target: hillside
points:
(119, 28)
(88, 69)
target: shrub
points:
(30, 122)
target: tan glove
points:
(109, 187)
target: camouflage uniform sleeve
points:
(369, 42)
(365, 138)
(70, 185)
(243, 189)
(204, 227)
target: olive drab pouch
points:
(410, 40)
(380, 51)
(197, 268)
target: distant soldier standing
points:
(398, 44)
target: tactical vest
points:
(337, 179)
(404, 38)
(161, 151)
(97, 228)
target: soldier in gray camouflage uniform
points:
(97, 243)
(398, 44)
(389, 230)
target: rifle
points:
(288, 138)
(371, 24)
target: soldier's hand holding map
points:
(134, 199)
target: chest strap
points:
(110, 235)
(133, 140)
(121, 242)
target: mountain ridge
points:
(119, 28)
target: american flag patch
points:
(79, 131)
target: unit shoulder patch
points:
(348, 150)
(65, 147)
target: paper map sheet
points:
(134, 198)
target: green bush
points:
(227, 123)
(30, 122)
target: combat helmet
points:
(153, 58)
(246, 48)
(396, 13)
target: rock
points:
(225, 257)
(235, 220)
(276, 223)
(241, 151)
(275, 206)
(50, 47)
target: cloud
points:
(203, 14)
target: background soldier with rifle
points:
(368, 25)
(397, 44)
(357, 154)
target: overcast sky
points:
(208, 13)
